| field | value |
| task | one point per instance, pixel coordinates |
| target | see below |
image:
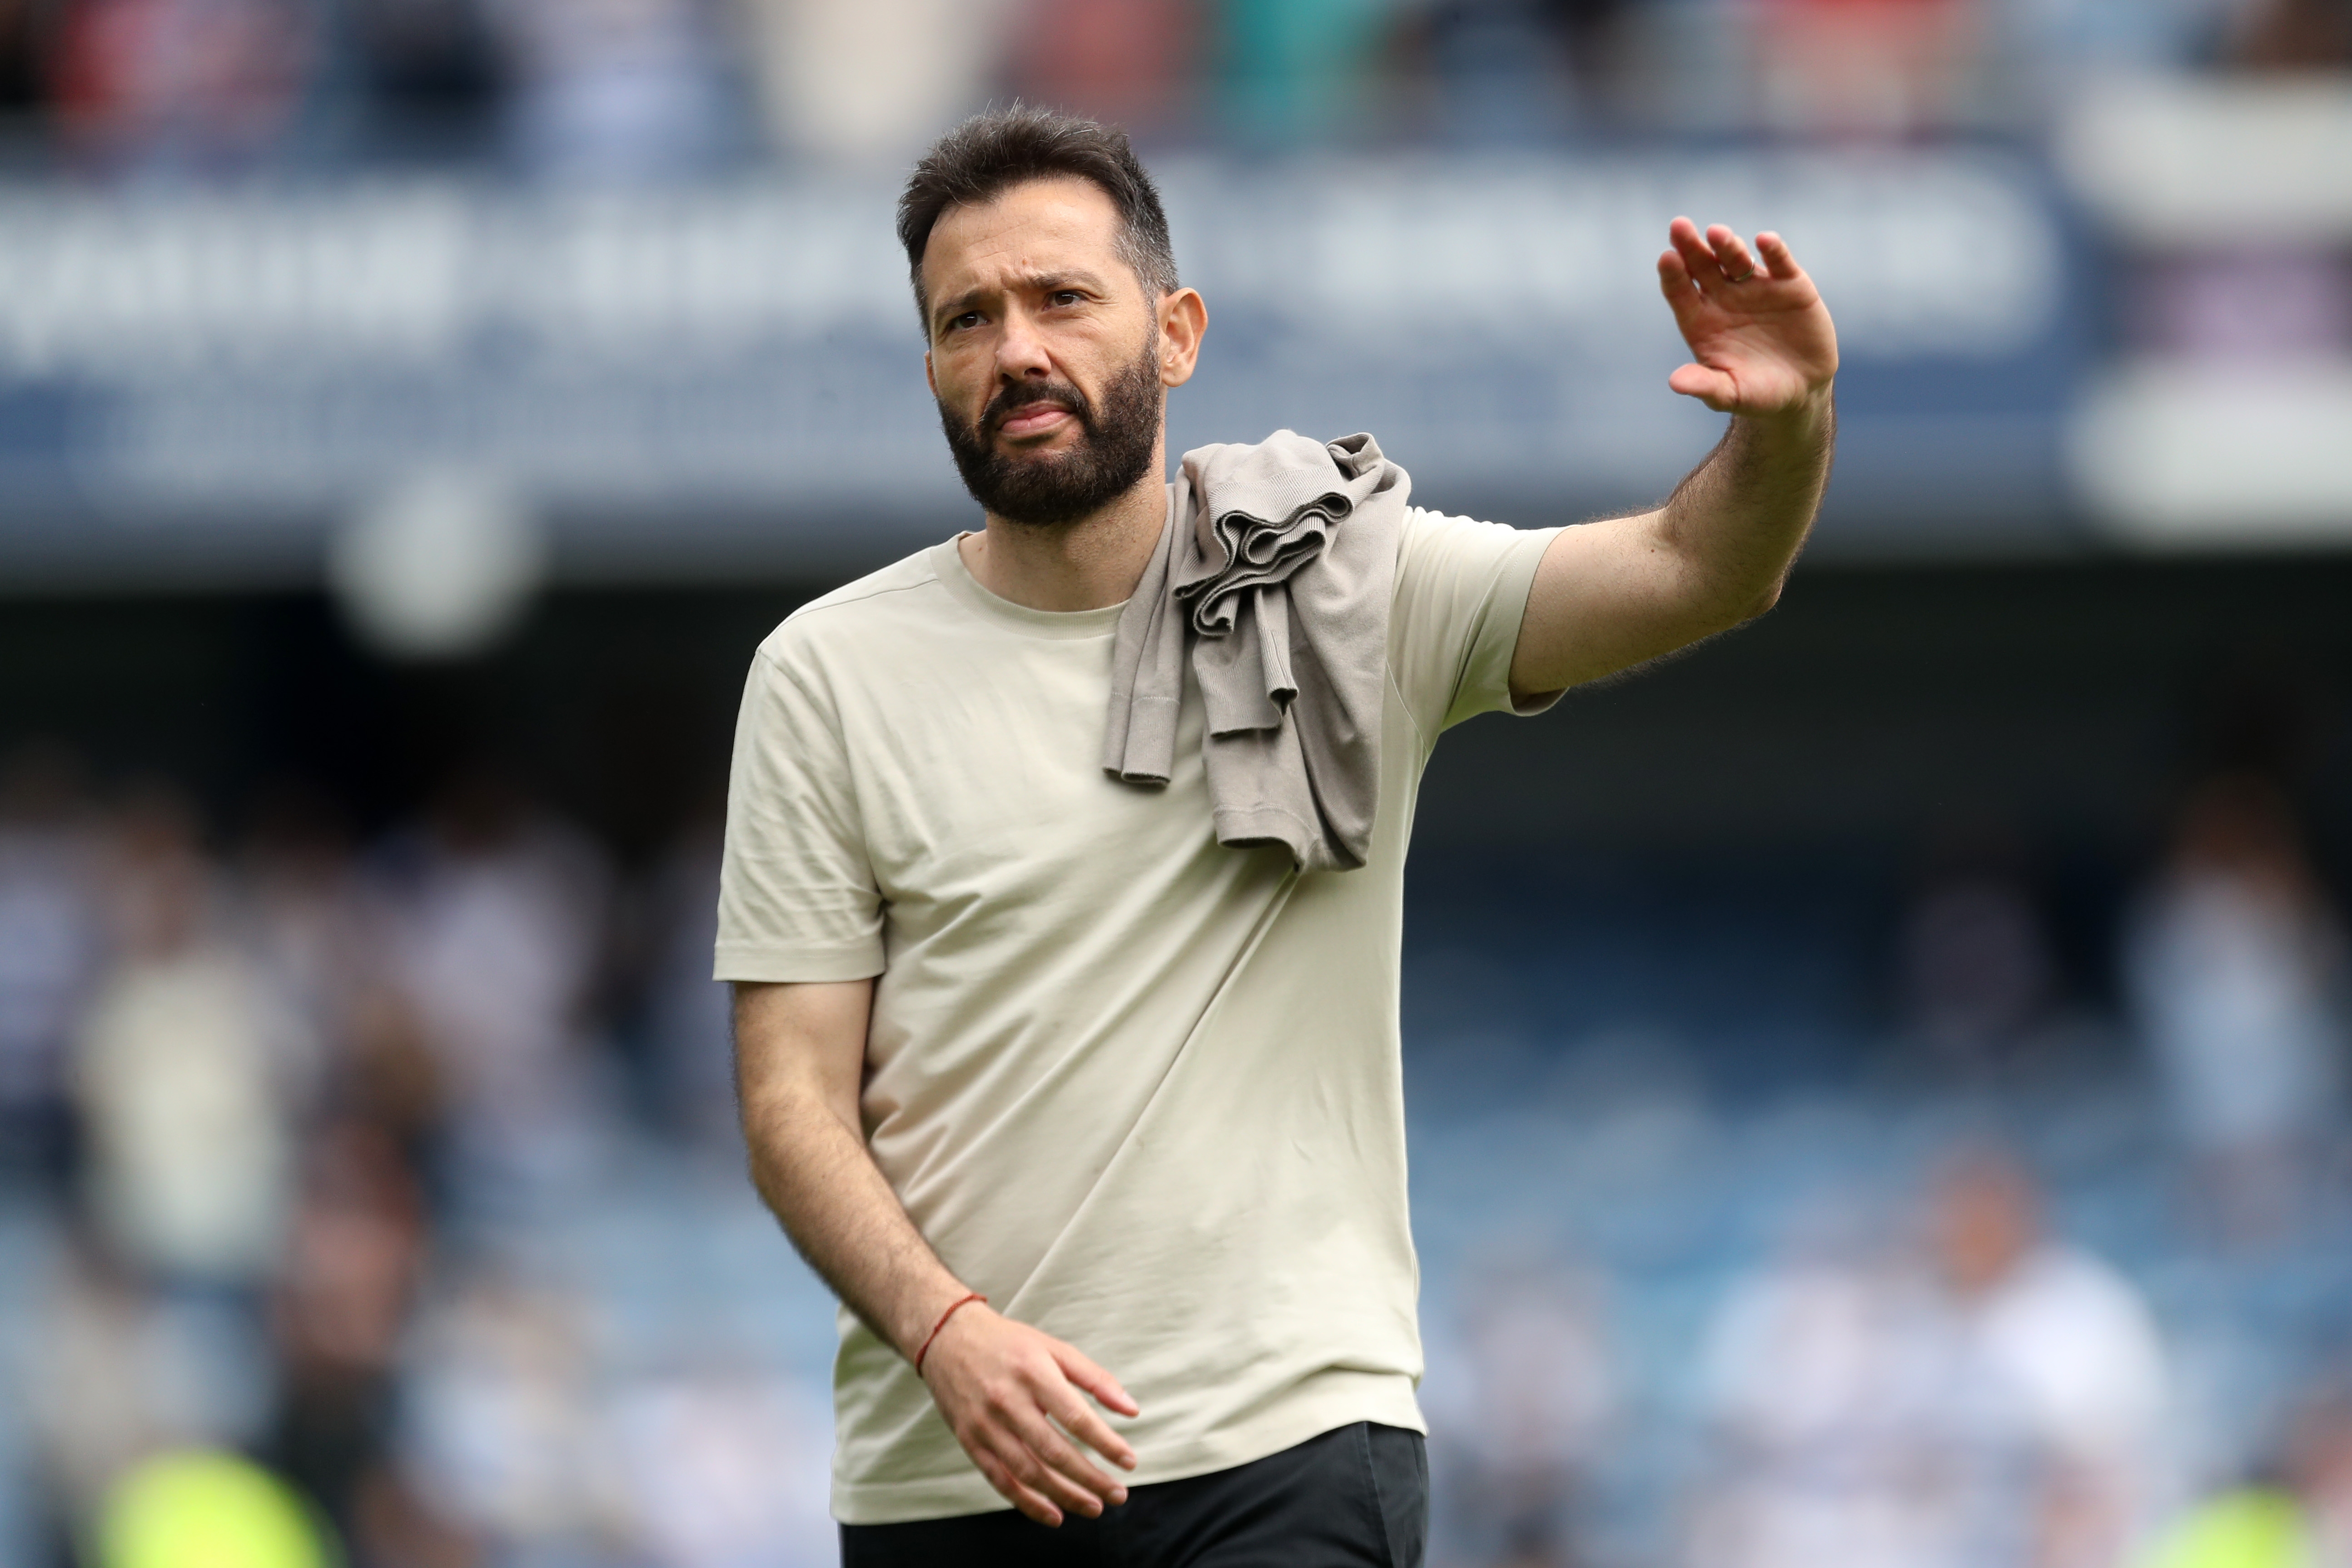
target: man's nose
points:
(1020, 350)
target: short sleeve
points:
(797, 898)
(1461, 591)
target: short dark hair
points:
(990, 154)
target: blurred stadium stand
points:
(412, 412)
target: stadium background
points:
(413, 411)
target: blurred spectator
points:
(1998, 1408)
(51, 943)
(1820, 1376)
(2323, 1478)
(616, 88)
(352, 1264)
(429, 69)
(392, 1081)
(2052, 45)
(2055, 1389)
(689, 1017)
(1131, 62)
(2294, 35)
(496, 917)
(2236, 962)
(1297, 71)
(2320, 1469)
(722, 1466)
(2301, 1520)
(200, 1508)
(1513, 72)
(1519, 1409)
(188, 1072)
(863, 80)
(2246, 1527)
(197, 84)
(22, 36)
(299, 913)
(1866, 67)
(501, 1429)
(123, 1374)
(1977, 971)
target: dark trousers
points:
(1354, 1498)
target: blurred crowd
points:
(365, 1193)
(280, 1105)
(1949, 1382)
(636, 88)
(1928, 1368)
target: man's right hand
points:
(1002, 1387)
(799, 1053)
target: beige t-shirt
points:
(1140, 1090)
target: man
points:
(1994, 1399)
(1062, 1096)
(2053, 1417)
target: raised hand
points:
(1016, 1398)
(1759, 336)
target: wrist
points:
(1812, 411)
(961, 1306)
(914, 1319)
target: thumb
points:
(1709, 386)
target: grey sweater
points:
(1274, 574)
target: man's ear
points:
(1183, 322)
(930, 377)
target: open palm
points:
(1760, 339)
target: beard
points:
(1116, 445)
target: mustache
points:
(1116, 443)
(1010, 400)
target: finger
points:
(1054, 1445)
(1052, 1465)
(1033, 1474)
(1731, 254)
(1079, 1418)
(1080, 1370)
(1027, 1498)
(1709, 386)
(1697, 256)
(1071, 1465)
(1778, 259)
(1673, 277)
(1683, 297)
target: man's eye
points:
(1065, 297)
(968, 318)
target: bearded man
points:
(1072, 1063)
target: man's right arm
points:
(800, 1057)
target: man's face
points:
(1983, 1223)
(1046, 354)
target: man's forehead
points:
(1036, 228)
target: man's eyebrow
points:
(1046, 282)
(1028, 283)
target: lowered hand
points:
(1016, 1398)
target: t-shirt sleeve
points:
(797, 898)
(1461, 591)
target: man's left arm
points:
(1612, 595)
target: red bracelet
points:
(953, 1308)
